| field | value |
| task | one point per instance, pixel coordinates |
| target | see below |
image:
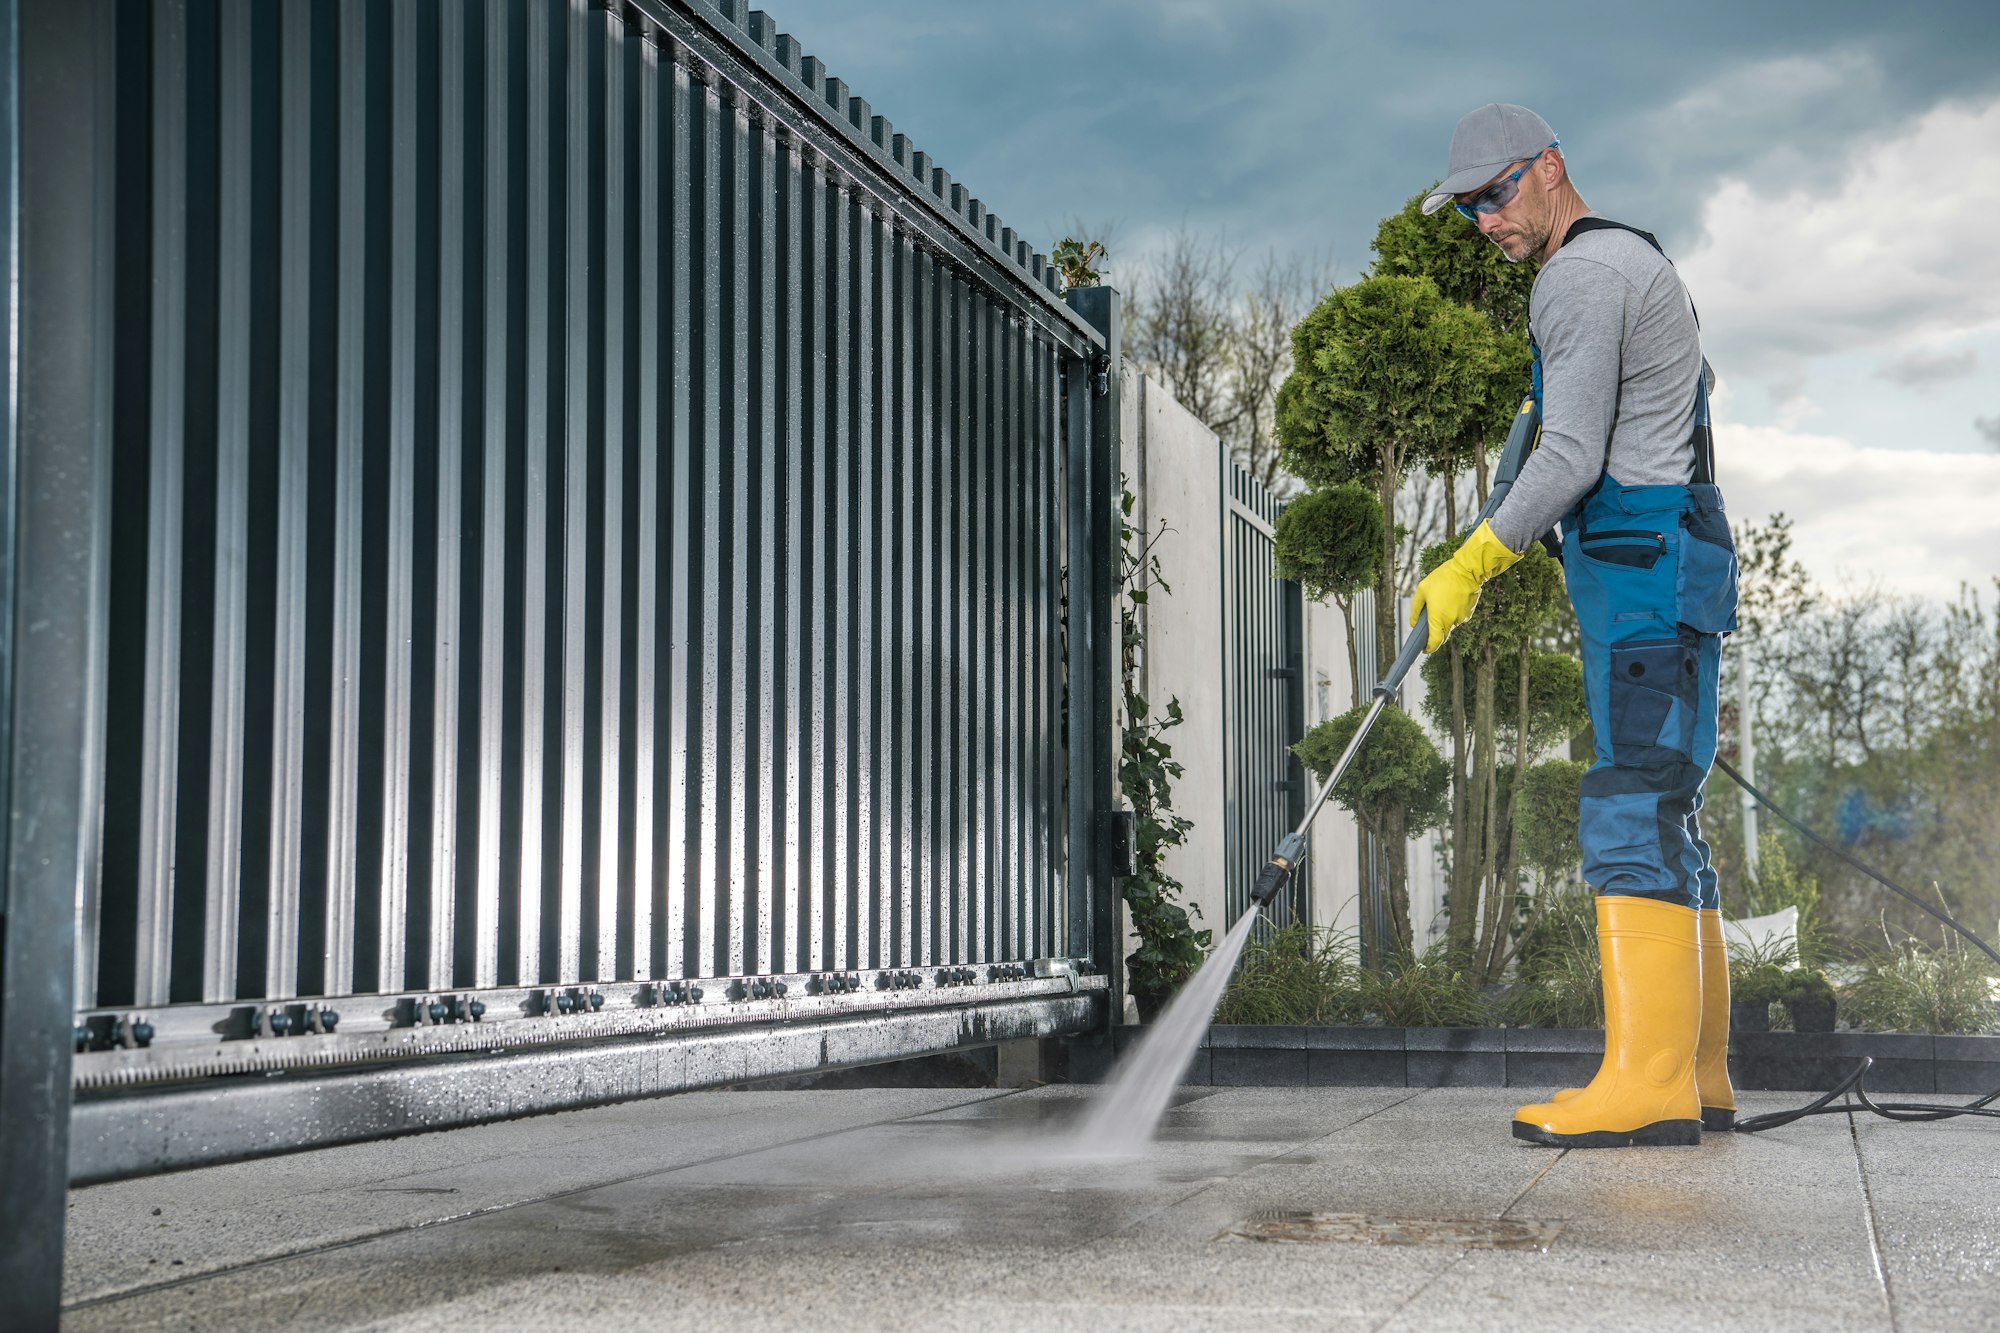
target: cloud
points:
(1920, 522)
(1988, 428)
(1898, 252)
(1917, 370)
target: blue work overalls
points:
(1652, 574)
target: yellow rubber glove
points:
(1450, 591)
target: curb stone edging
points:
(1248, 1055)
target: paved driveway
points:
(895, 1209)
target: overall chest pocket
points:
(1634, 548)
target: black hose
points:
(1865, 869)
(1912, 1112)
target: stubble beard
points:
(1532, 240)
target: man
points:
(1624, 465)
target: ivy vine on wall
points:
(1170, 948)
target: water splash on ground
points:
(1123, 1117)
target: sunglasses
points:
(1501, 192)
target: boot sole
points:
(1718, 1118)
(1659, 1134)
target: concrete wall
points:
(1173, 465)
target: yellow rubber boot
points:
(1711, 1052)
(1644, 1093)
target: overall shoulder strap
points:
(1582, 225)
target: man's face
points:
(1520, 227)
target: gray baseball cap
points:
(1486, 140)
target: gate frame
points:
(53, 490)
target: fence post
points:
(52, 489)
(1298, 786)
(1093, 646)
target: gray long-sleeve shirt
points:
(1620, 353)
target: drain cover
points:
(1461, 1233)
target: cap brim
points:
(1468, 178)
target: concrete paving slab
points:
(219, 1217)
(964, 1210)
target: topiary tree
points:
(1386, 374)
(1469, 269)
(1396, 787)
(1330, 542)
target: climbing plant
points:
(1170, 948)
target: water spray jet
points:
(1122, 1119)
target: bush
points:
(1295, 975)
(1806, 985)
(1546, 825)
(1560, 977)
(1913, 987)
(1304, 975)
(1756, 983)
(1423, 991)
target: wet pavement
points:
(1336, 1208)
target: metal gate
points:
(1264, 697)
(548, 532)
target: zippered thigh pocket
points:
(1652, 701)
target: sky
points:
(1825, 175)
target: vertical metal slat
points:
(901, 586)
(763, 949)
(868, 632)
(709, 907)
(678, 139)
(449, 535)
(612, 525)
(793, 686)
(737, 884)
(839, 451)
(922, 623)
(499, 305)
(811, 506)
(575, 445)
(232, 509)
(541, 194)
(648, 317)
(400, 555)
(160, 742)
(344, 722)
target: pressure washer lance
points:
(1277, 872)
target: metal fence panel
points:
(596, 512)
(1263, 652)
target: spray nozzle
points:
(1277, 872)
